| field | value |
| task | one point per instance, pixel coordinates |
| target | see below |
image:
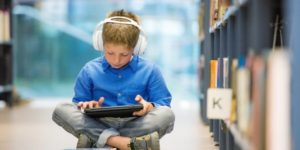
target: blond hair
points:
(121, 34)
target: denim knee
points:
(167, 114)
(168, 118)
(60, 109)
(60, 116)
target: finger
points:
(136, 113)
(79, 105)
(139, 113)
(143, 111)
(100, 101)
(139, 99)
(95, 104)
(90, 104)
(84, 105)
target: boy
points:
(120, 77)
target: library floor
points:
(30, 127)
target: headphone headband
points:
(97, 35)
(131, 22)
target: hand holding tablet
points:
(94, 109)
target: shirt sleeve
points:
(83, 87)
(159, 94)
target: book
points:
(213, 73)
(4, 26)
(223, 5)
(278, 101)
(257, 120)
(243, 96)
(225, 72)
(214, 10)
(1, 26)
(220, 73)
(201, 14)
(233, 114)
(201, 71)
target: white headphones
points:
(98, 41)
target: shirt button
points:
(120, 76)
(119, 94)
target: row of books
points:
(217, 12)
(260, 96)
(218, 9)
(4, 26)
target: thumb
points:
(138, 98)
(101, 100)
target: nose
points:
(117, 60)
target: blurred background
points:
(54, 38)
(247, 47)
(52, 42)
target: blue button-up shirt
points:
(120, 86)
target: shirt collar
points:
(132, 64)
(105, 64)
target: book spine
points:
(219, 73)
(233, 116)
(257, 120)
(278, 102)
(2, 22)
(243, 98)
(225, 73)
(213, 73)
(4, 26)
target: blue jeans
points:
(69, 117)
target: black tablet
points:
(113, 111)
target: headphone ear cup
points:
(97, 40)
(95, 44)
(140, 45)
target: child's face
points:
(117, 55)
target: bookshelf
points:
(6, 51)
(247, 34)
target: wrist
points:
(153, 105)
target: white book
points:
(6, 26)
(243, 99)
(278, 101)
(225, 72)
